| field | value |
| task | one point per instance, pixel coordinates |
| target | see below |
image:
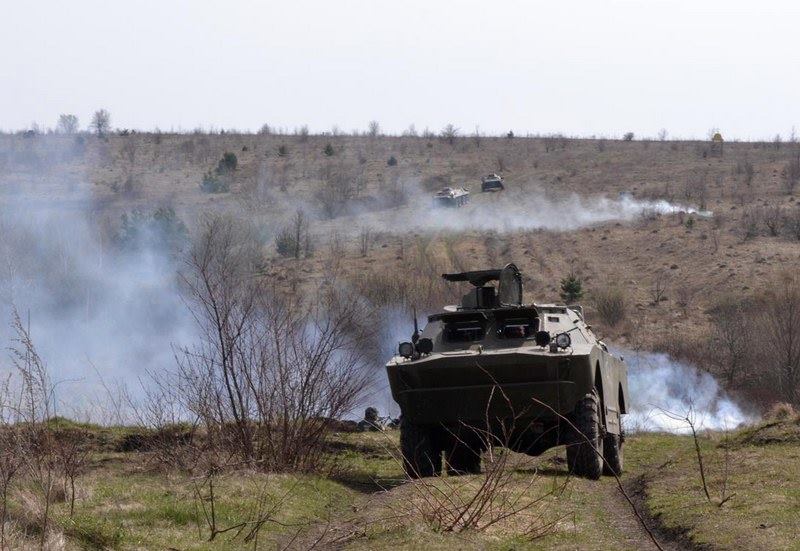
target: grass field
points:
(124, 502)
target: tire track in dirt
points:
(625, 521)
(334, 535)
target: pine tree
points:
(571, 289)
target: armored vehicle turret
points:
(493, 368)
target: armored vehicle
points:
(451, 197)
(492, 182)
(494, 370)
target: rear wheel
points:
(422, 456)
(585, 451)
(463, 455)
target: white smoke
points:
(96, 313)
(531, 208)
(662, 392)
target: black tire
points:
(463, 458)
(585, 450)
(612, 453)
(422, 456)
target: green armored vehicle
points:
(495, 370)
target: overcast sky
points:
(582, 68)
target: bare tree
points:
(449, 134)
(373, 129)
(658, 289)
(340, 183)
(730, 337)
(791, 174)
(101, 122)
(747, 170)
(11, 458)
(270, 370)
(477, 137)
(67, 124)
(302, 132)
(781, 321)
(365, 240)
(35, 408)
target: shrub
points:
(160, 229)
(94, 532)
(791, 174)
(628, 137)
(329, 151)
(294, 240)
(213, 183)
(780, 411)
(285, 242)
(227, 163)
(392, 161)
(610, 304)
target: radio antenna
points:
(415, 336)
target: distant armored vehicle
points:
(492, 182)
(451, 197)
(531, 376)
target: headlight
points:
(406, 349)
(424, 346)
(542, 338)
(563, 340)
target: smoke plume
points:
(662, 392)
(96, 311)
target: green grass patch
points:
(93, 532)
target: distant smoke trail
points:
(532, 208)
(658, 384)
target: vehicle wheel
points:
(612, 453)
(585, 451)
(422, 456)
(463, 458)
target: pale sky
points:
(578, 67)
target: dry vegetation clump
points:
(780, 411)
(609, 302)
(782, 426)
(729, 350)
(42, 456)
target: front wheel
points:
(585, 450)
(422, 455)
(612, 454)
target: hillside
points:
(679, 248)
(594, 207)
